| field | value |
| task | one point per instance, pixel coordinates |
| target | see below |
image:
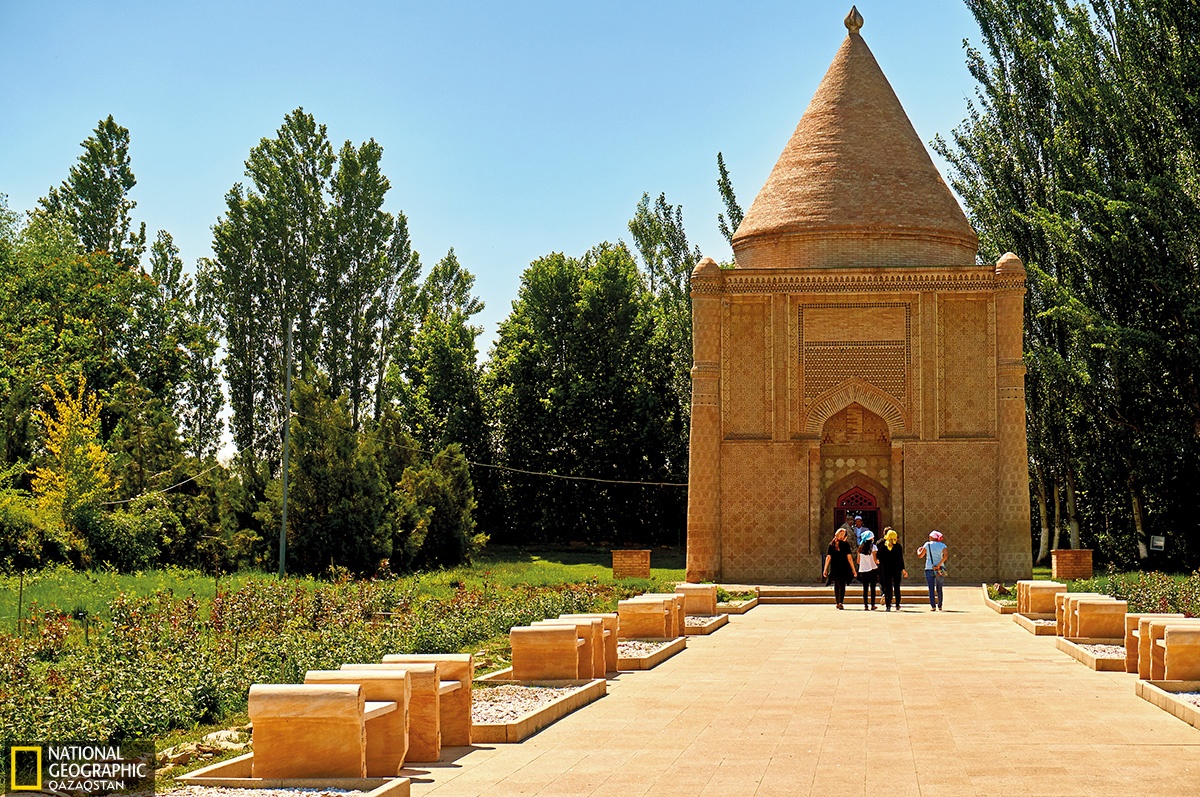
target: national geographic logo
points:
(79, 769)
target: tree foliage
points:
(727, 224)
(94, 199)
(1081, 154)
(580, 382)
(75, 473)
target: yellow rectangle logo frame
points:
(13, 768)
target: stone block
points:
(1039, 597)
(1071, 612)
(1181, 653)
(1152, 635)
(676, 603)
(591, 653)
(308, 730)
(1100, 619)
(642, 619)
(1133, 635)
(455, 710)
(545, 653)
(698, 599)
(1060, 608)
(387, 734)
(424, 708)
(608, 621)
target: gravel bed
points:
(1105, 651)
(1191, 697)
(219, 791)
(698, 621)
(638, 648)
(510, 702)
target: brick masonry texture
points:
(631, 563)
(854, 348)
(1069, 564)
(854, 185)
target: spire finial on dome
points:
(853, 20)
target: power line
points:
(193, 478)
(596, 479)
(417, 449)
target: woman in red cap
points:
(935, 553)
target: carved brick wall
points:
(764, 512)
(948, 486)
(966, 368)
(746, 366)
(867, 342)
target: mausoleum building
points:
(856, 359)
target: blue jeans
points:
(935, 589)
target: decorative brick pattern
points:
(967, 380)
(949, 487)
(744, 384)
(879, 362)
(631, 563)
(764, 515)
(1067, 564)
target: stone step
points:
(823, 596)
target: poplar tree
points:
(271, 249)
(727, 224)
(94, 199)
(1080, 154)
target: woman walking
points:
(936, 554)
(868, 565)
(890, 556)
(839, 566)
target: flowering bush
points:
(160, 664)
(1148, 592)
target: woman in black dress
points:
(839, 566)
(891, 566)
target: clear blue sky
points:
(510, 130)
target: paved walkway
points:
(796, 700)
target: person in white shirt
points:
(868, 567)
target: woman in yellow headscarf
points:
(891, 567)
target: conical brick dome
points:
(854, 186)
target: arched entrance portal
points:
(856, 470)
(857, 501)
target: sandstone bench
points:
(455, 710)
(1158, 637)
(1098, 619)
(545, 653)
(591, 653)
(1061, 613)
(699, 600)
(608, 622)
(1133, 636)
(1181, 653)
(312, 730)
(386, 734)
(639, 618)
(675, 602)
(424, 706)
(1037, 597)
(1146, 643)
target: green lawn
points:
(67, 590)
